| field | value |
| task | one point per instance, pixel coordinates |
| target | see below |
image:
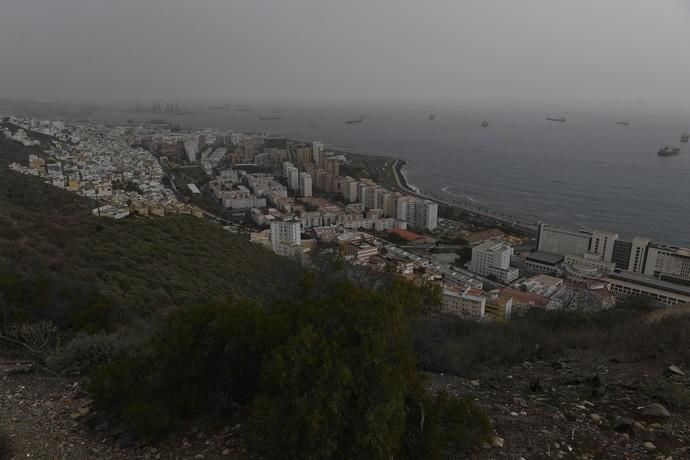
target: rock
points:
(649, 445)
(225, 452)
(623, 423)
(521, 402)
(474, 383)
(514, 414)
(656, 410)
(497, 442)
(596, 418)
(675, 370)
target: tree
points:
(338, 386)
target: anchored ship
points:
(356, 120)
(668, 151)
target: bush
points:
(200, 362)
(85, 352)
(329, 376)
(445, 427)
(5, 445)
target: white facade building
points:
(305, 185)
(421, 214)
(557, 240)
(285, 234)
(493, 258)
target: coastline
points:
(402, 183)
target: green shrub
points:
(200, 362)
(85, 351)
(444, 427)
(327, 376)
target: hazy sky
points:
(603, 54)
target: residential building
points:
(603, 243)
(470, 304)
(285, 234)
(493, 258)
(305, 185)
(670, 263)
(293, 178)
(557, 240)
(418, 213)
(360, 251)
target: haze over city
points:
(621, 56)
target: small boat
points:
(485, 124)
(356, 120)
(684, 138)
(559, 119)
(668, 151)
(623, 123)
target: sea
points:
(587, 173)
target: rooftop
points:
(545, 258)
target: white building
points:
(668, 262)
(602, 243)
(557, 240)
(469, 304)
(305, 185)
(493, 258)
(285, 236)
(293, 178)
(638, 254)
(418, 213)
(317, 148)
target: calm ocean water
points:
(588, 172)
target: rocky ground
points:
(50, 417)
(580, 407)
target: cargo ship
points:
(684, 138)
(356, 120)
(559, 119)
(668, 151)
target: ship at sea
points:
(668, 151)
(432, 116)
(623, 123)
(685, 137)
(356, 120)
(559, 119)
(485, 124)
(269, 117)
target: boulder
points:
(656, 410)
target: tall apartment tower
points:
(305, 185)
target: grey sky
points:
(583, 53)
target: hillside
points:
(53, 252)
